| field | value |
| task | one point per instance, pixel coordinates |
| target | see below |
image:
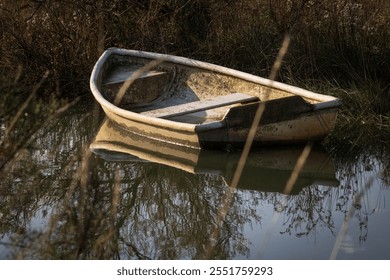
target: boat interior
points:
(182, 93)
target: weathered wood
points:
(196, 106)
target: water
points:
(178, 204)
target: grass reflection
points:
(60, 201)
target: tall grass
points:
(335, 44)
(344, 40)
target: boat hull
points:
(291, 115)
(309, 127)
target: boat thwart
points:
(202, 105)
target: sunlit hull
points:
(201, 105)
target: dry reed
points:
(348, 217)
(227, 200)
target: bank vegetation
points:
(338, 47)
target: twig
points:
(259, 113)
(297, 168)
(33, 135)
(228, 199)
(23, 107)
(348, 217)
(287, 190)
(137, 74)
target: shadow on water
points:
(130, 200)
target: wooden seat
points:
(120, 75)
(202, 105)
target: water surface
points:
(60, 199)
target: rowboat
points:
(266, 169)
(205, 106)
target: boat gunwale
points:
(324, 101)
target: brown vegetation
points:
(346, 39)
(335, 44)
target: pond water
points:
(63, 198)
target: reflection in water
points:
(60, 201)
(265, 170)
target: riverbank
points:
(337, 48)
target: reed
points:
(364, 118)
(342, 43)
(343, 40)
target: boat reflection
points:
(266, 170)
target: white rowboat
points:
(201, 105)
